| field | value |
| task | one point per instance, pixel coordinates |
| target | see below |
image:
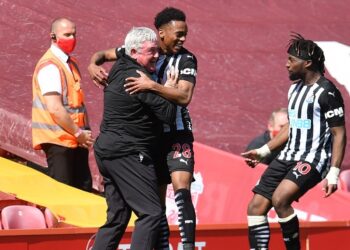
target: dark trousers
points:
(69, 165)
(130, 185)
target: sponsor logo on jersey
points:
(188, 71)
(295, 122)
(335, 112)
(292, 113)
(300, 123)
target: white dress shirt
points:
(49, 78)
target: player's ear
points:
(308, 63)
(161, 33)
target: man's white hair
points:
(137, 36)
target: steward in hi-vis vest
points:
(44, 128)
(60, 124)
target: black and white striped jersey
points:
(312, 111)
(186, 63)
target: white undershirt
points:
(49, 78)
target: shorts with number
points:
(176, 155)
(302, 173)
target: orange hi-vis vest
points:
(44, 128)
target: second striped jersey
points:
(186, 64)
(312, 110)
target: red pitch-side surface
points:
(314, 236)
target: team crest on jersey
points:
(310, 99)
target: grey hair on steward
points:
(137, 36)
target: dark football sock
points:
(290, 231)
(187, 216)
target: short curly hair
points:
(167, 15)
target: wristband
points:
(332, 176)
(79, 132)
(263, 151)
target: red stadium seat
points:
(344, 179)
(22, 217)
(51, 220)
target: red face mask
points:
(66, 45)
(274, 132)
